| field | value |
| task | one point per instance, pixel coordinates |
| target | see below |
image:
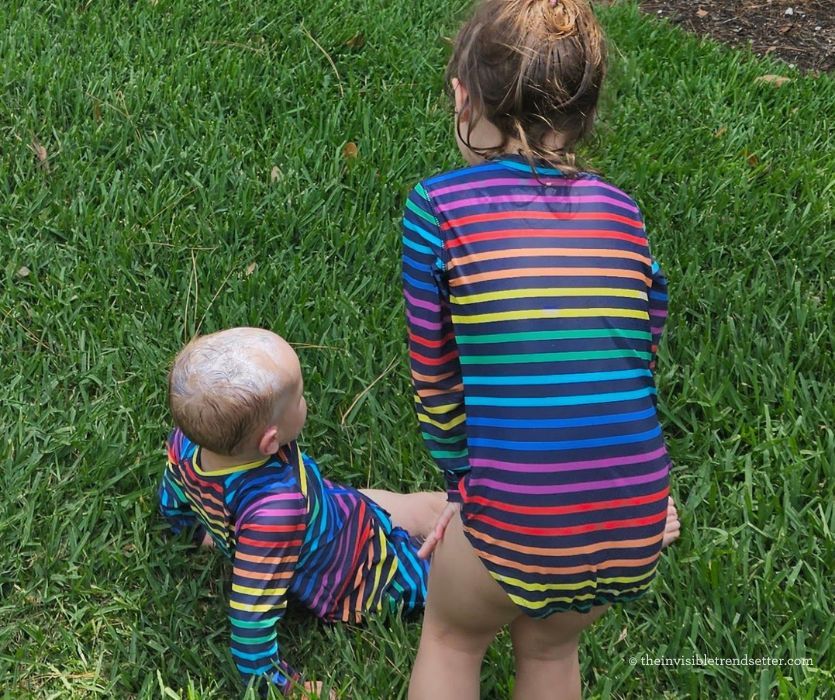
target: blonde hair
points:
(532, 68)
(218, 394)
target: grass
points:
(195, 178)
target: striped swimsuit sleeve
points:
(173, 504)
(269, 537)
(433, 352)
(657, 308)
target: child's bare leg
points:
(416, 513)
(546, 653)
(464, 611)
(672, 528)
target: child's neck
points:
(515, 147)
(212, 461)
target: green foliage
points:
(184, 142)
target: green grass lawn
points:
(195, 178)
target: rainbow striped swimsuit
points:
(534, 311)
(291, 534)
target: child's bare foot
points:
(672, 528)
(415, 512)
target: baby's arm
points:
(269, 539)
(433, 351)
(173, 503)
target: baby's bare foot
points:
(672, 528)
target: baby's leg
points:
(464, 611)
(416, 513)
(546, 651)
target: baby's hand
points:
(207, 541)
(437, 534)
(313, 689)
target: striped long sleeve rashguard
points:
(290, 533)
(534, 311)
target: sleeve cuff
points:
(453, 491)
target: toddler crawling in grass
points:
(236, 474)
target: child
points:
(534, 311)
(236, 472)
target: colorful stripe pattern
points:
(534, 311)
(291, 534)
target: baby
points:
(236, 474)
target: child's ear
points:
(269, 443)
(462, 100)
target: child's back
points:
(551, 292)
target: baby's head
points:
(238, 392)
(532, 69)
